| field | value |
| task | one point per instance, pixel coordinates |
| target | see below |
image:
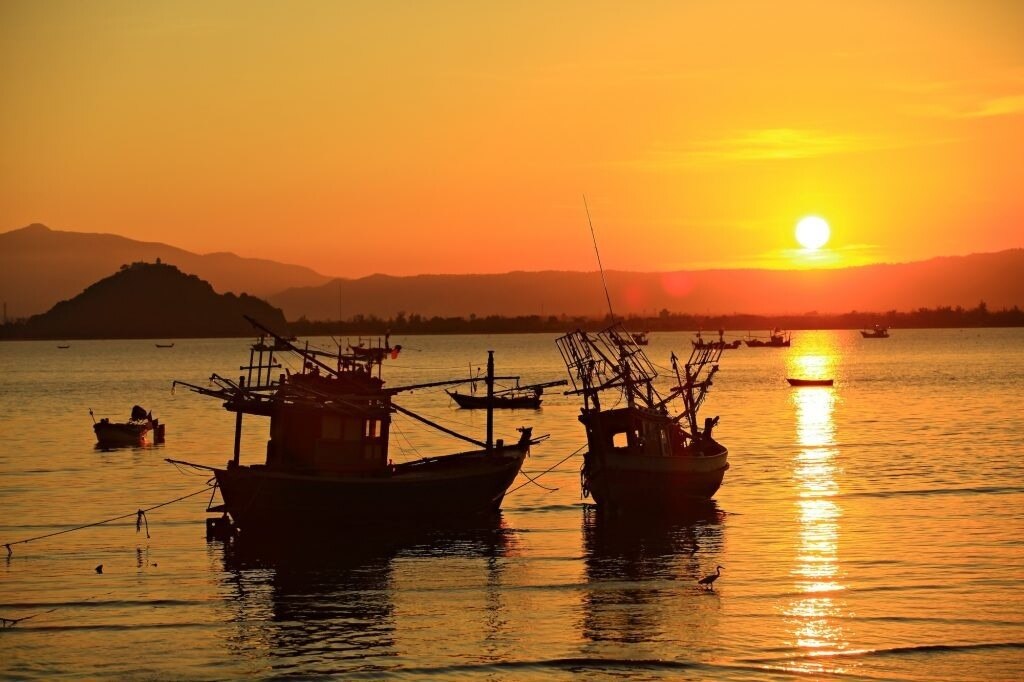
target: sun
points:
(812, 232)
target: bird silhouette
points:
(708, 581)
(99, 569)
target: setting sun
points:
(812, 232)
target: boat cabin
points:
(341, 428)
(633, 430)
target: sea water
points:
(872, 530)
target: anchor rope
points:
(139, 514)
(548, 470)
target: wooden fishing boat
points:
(877, 332)
(699, 342)
(516, 397)
(809, 382)
(327, 464)
(135, 431)
(646, 451)
(776, 339)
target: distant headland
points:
(145, 301)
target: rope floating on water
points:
(139, 514)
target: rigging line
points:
(135, 513)
(406, 439)
(444, 421)
(593, 236)
(549, 469)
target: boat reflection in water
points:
(641, 577)
(334, 607)
(815, 613)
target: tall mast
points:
(600, 267)
(490, 399)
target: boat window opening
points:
(620, 440)
(371, 428)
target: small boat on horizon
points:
(327, 464)
(375, 353)
(165, 345)
(809, 382)
(699, 342)
(132, 432)
(64, 346)
(646, 451)
(641, 338)
(876, 332)
(776, 339)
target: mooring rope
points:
(549, 469)
(11, 622)
(139, 514)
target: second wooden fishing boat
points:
(646, 451)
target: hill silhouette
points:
(40, 266)
(948, 281)
(149, 300)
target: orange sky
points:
(436, 137)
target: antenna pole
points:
(600, 267)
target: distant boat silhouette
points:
(777, 339)
(516, 397)
(640, 338)
(65, 346)
(165, 345)
(878, 332)
(700, 343)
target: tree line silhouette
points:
(412, 323)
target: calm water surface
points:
(870, 531)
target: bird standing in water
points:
(708, 581)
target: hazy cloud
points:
(768, 144)
(999, 106)
(792, 259)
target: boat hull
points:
(264, 501)
(474, 402)
(810, 382)
(624, 481)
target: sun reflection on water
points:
(814, 613)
